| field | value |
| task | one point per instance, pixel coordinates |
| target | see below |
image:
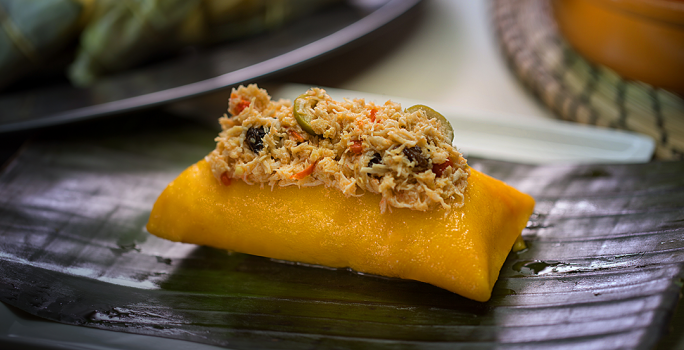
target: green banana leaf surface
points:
(603, 268)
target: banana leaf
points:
(603, 269)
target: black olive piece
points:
(415, 155)
(255, 138)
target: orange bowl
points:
(639, 39)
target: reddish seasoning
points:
(225, 180)
(372, 114)
(356, 147)
(304, 173)
(438, 169)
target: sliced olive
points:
(255, 138)
(432, 114)
(301, 111)
(414, 154)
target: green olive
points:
(300, 111)
(432, 114)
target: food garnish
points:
(358, 147)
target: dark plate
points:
(195, 74)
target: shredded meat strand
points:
(358, 147)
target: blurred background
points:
(73, 60)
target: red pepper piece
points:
(372, 114)
(304, 173)
(225, 179)
(356, 147)
(296, 135)
(438, 169)
(240, 105)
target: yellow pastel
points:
(462, 252)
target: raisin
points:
(377, 159)
(255, 138)
(414, 154)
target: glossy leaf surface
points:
(603, 269)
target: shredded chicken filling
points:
(357, 147)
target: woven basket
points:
(577, 90)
